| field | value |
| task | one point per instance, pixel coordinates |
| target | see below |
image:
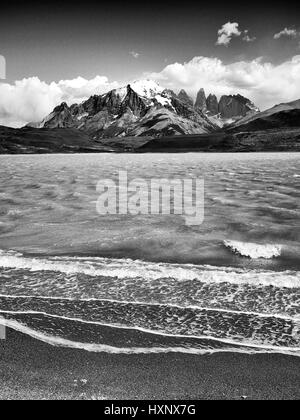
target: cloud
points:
(32, 99)
(2, 67)
(291, 33)
(134, 54)
(227, 32)
(264, 83)
(248, 38)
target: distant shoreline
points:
(144, 153)
(35, 370)
(31, 141)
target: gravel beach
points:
(31, 369)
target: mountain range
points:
(143, 116)
(144, 108)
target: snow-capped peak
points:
(122, 92)
(146, 88)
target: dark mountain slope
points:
(279, 120)
(290, 106)
(57, 140)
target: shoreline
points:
(31, 369)
(32, 141)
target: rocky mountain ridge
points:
(228, 107)
(276, 129)
(144, 108)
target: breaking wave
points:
(132, 306)
(254, 251)
(126, 268)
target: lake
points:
(152, 283)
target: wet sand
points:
(30, 369)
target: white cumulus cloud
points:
(32, 99)
(230, 30)
(263, 82)
(291, 33)
(227, 32)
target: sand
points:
(30, 369)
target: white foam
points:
(255, 251)
(295, 318)
(123, 269)
(101, 348)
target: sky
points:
(68, 51)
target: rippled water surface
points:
(151, 283)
